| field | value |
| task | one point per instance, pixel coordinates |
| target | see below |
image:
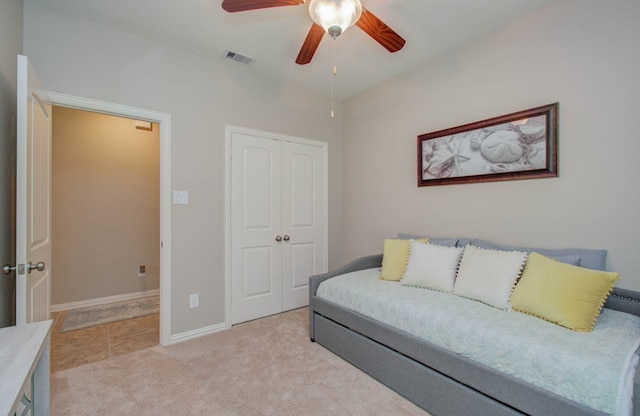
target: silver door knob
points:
(7, 269)
(278, 238)
(39, 266)
(286, 238)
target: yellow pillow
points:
(394, 258)
(563, 294)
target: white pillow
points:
(431, 266)
(489, 275)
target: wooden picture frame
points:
(522, 145)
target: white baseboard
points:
(102, 301)
(196, 333)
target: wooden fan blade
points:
(380, 32)
(310, 45)
(233, 6)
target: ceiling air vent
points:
(236, 57)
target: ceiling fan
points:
(330, 16)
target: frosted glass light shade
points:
(335, 16)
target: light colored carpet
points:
(264, 367)
(110, 312)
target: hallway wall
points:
(105, 206)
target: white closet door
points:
(302, 220)
(277, 219)
(256, 265)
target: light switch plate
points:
(180, 197)
(194, 300)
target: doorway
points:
(105, 215)
(105, 174)
(163, 121)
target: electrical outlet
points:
(142, 271)
(194, 300)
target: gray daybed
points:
(436, 379)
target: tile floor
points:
(84, 346)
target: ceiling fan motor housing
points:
(334, 31)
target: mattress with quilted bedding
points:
(592, 368)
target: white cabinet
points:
(278, 219)
(24, 360)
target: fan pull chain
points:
(335, 72)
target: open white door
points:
(33, 198)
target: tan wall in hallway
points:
(105, 206)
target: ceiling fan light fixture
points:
(335, 16)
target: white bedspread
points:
(589, 368)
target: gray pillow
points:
(463, 242)
(572, 259)
(589, 258)
(449, 242)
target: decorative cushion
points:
(394, 258)
(590, 258)
(566, 295)
(451, 242)
(463, 242)
(571, 259)
(431, 266)
(488, 275)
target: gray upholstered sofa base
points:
(441, 382)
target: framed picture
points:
(522, 145)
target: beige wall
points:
(76, 57)
(581, 53)
(10, 47)
(105, 206)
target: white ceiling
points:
(274, 36)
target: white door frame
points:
(230, 129)
(164, 120)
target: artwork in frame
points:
(522, 145)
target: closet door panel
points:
(256, 200)
(302, 220)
